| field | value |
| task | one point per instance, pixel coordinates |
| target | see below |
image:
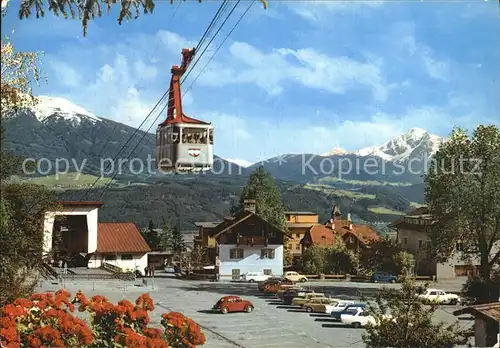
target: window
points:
(110, 258)
(127, 257)
(267, 253)
(297, 247)
(297, 235)
(211, 136)
(174, 135)
(194, 136)
(272, 234)
(267, 272)
(235, 274)
(420, 243)
(433, 293)
(405, 241)
(236, 253)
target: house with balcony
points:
(298, 223)
(413, 232)
(247, 243)
(73, 234)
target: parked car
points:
(359, 318)
(282, 290)
(169, 269)
(273, 280)
(233, 304)
(339, 306)
(290, 294)
(252, 277)
(295, 277)
(439, 296)
(348, 309)
(300, 300)
(380, 276)
(319, 305)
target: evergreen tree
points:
(166, 238)
(152, 238)
(177, 242)
(262, 188)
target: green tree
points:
(90, 9)
(152, 237)
(22, 205)
(404, 263)
(178, 243)
(262, 188)
(166, 238)
(463, 196)
(379, 256)
(326, 259)
(315, 260)
(410, 323)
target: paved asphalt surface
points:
(269, 325)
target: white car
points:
(439, 296)
(359, 318)
(252, 277)
(339, 306)
(295, 277)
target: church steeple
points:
(336, 214)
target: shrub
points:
(47, 320)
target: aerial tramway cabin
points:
(183, 143)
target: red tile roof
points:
(80, 203)
(325, 235)
(322, 235)
(120, 237)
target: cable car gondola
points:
(183, 144)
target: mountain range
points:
(57, 130)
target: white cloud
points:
(404, 35)
(312, 69)
(65, 74)
(317, 11)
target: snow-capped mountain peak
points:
(62, 108)
(416, 142)
(336, 151)
(239, 162)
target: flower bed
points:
(46, 320)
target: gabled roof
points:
(322, 235)
(239, 218)
(120, 237)
(325, 235)
(490, 311)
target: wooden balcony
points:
(252, 241)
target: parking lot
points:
(271, 324)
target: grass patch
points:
(384, 210)
(334, 179)
(339, 193)
(69, 180)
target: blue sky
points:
(297, 77)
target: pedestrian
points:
(145, 271)
(152, 271)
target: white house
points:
(248, 243)
(90, 243)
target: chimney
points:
(349, 217)
(249, 205)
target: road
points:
(269, 325)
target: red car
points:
(233, 304)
